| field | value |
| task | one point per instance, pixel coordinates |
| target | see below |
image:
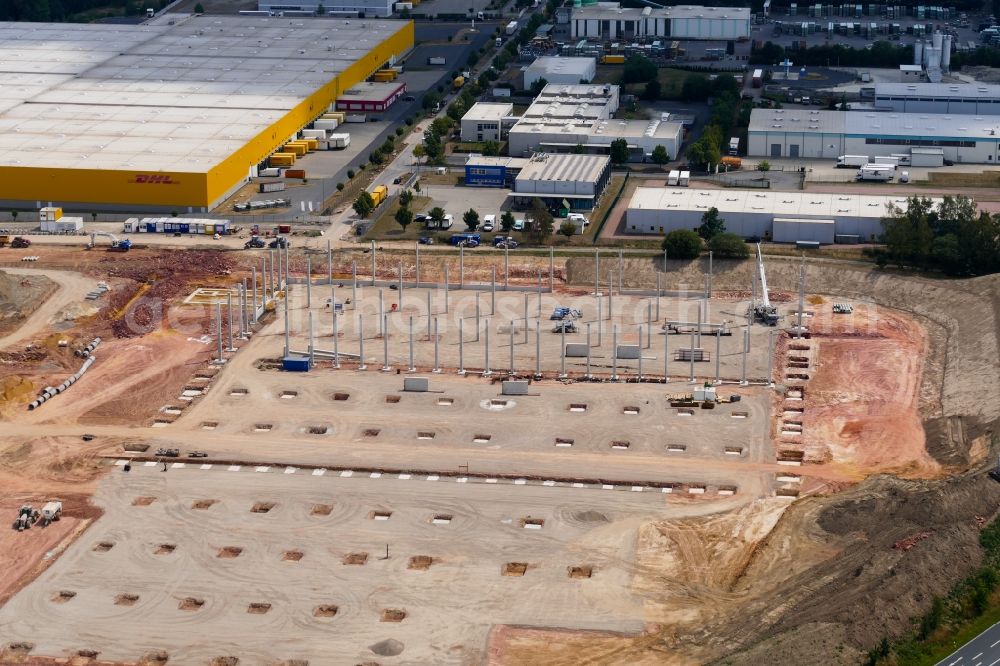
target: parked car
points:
(197, 454)
(409, 98)
(426, 240)
(518, 225)
(504, 242)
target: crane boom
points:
(765, 299)
(117, 245)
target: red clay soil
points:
(861, 401)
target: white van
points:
(489, 223)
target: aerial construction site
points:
(358, 456)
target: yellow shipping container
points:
(312, 144)
(613, 59)
(385, 75)
(298, 149)
(282, 159)
(379, 194)
(210, 229)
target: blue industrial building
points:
(492, 171)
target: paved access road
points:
(983, 650)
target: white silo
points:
(918, 53)
(946, 54)
(937, 39)
(933, 57)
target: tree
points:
(729, 246)
(705, 151)
(405, 198)
(578, 149)
(711, 224)
(340, 187)
(638, 69)
(429, 100)
(364, 204)
(419, 152)
(437, 215)
(321, 10)
(537, 85)
(619, 151)
(696, 88)
(652, 91)
(763, 165)
(491, 148)
(471, 219)
(567, 229)
(404, 216)
(660, 156)
(350, 174)
(13, 215)
(541, 222)
(682, 244)
(198, 9)
(507, 221)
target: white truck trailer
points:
(882, 173)
(852, 161)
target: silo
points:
(933, 57)
(918, 52)
(946, 54)
(937, 39)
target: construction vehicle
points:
(51, 512)
(4, 241)
(843, 308)
(279, 243)
(168, 453)
(20, 242)
(704, 396)
(562, 313)
(762, 309)
(117, 244)
(565, 326)
(254, 243)
(26, 517)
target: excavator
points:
(117, 244)
(763, 311)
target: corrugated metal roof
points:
(604, 12)
(867, 123)
(945, 90)
(564, 167)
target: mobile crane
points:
(763, 311)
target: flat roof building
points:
(346, 8)
(976, 99)
(570, 182)
(370, 96)
(752, 213)
(813, 134)
(560, 70)
(608, 21)
(482, 171)
(484, 120)
(176, 116)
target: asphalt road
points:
(983, 650)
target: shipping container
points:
(295, 363)
(339, 141)
(209, 229)
(322, 144)
(356, 118)
(311, 144)
(380, 194)
(269, 173)
(271, 186)
(284, 228)
(326, 124)
(673, 177)
(295, 173)
(318, 133)
(611, 59)
(297, 149)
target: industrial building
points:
(779, 216)
(482, 171)
(608, 21)
(175, 116)
(484, 120)
(370, 96)
(560, 70)
(569, 118)
(345, 8)
(562, 182)
(973, 99)
(814, 134)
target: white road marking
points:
(607, 487)
(262, 469)
(375, 475)
(404, 477)
(319, 472)
(433, 477)
(666, 489)
(150, 463)
(290, 470)
(178, 466)
(206, 466)
(995, 662)
(578, 485)
(978, 655)
(462, 479)
(491, 480)
(234, 468)
(994, 644)
(120, 463)
(548, 483)
(347, 474)
(520, 482)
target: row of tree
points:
(687, 244)
(881, 54)
(954, 237)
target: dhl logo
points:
(154, 179)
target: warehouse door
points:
(775, 150)
(793, 150)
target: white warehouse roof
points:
(488, 111)
(971, 91)
(546, 66)
(613, 12)
(870, 123)
(564, 167)
(778, 204)
(180, 97)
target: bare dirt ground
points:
(755, 579)
(22, 293)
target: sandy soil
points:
(27, 303)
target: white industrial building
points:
(483, 121)
(928, 138)
(607, 21)
(565, 119)
(973, 99)
(784, 217)
(559, 70)
(359, 8)
(570, 182)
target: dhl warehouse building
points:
(178, 114)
